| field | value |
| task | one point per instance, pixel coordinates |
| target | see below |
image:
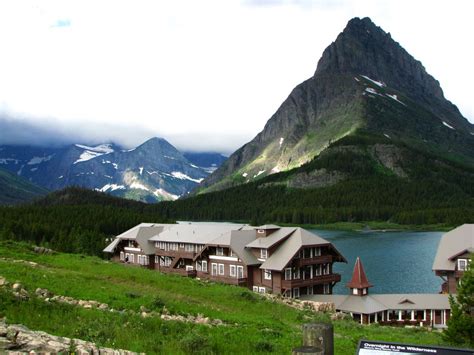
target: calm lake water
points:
(395, 262)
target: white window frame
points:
(157, 259)
(232, 271)
(262, 290)
(317, 251)
(122, 256)
(464, 264)
(288, 273)
(267, 274)
(132, 258)
(326, 289)
(296, 292)
(198, 266)
(355, 291)
(263, 253)
(204, 266)
(219, 251)
(221, 269)
(189, 268)
(214, 269)
(240, 271)
(255, 288)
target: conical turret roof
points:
(359, 278)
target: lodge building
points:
(453, 256)
(282, 260)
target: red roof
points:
(359, 278)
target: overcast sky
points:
(206, 75)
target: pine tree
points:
(461, 323)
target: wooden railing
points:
(322, 279)
(322, 259)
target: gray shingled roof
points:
(459, 240)
(237, 241)
(272, 239)
(195, 233)
(111, 247)
(141, 233)
(381, 302)
(288, 249)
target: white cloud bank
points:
(199, 73)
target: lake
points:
(395, 262)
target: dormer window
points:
(219, 251)
(263, 253)
(261, 231)
(462, 264)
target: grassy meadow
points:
(253, 324)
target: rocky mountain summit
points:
(364, 81)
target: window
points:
(354, 291)
(263, 253)
(317, 251)
(221, 269)
(181, 245)
(233, 272)
(157, 259)
(132, 258)
(327, 289)
(267, 275)
(122, 256)
(261, 231)
(318, 270)
(261, 289)
(255, 288)
(307, 253)
(288, 273)
(296, 292)
(189, 247)
(214, 269)
(204, 266)
(310, 290)
(198, 266)
(364, 291)
(219, 251)
(189, 268)
(240, 272)
(296, 273)
(231, 253)
(462, 264)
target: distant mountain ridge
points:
(15, 189)
(153, 171)
(363, 81)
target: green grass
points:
(253, 324)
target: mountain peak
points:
(363, 48)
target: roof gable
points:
(451, 244)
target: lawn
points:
(253, 324)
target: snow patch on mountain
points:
(111, 187)
(7, 160)
(376, 82)
(181, 176)
(39, 160)
(448, 125)
(396, 99)
(93, 152)
(139, 186)
(141, 170)
(165, 194)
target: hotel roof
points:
(452, 244)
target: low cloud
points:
(53, 132)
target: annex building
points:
(283, 260)
(452, 259)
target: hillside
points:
(362, 177)
(251, 323)
(15, 190)
(364, 81)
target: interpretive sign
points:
(383, 348)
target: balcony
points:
(323, 259)
(176, 253)
(322, 279)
